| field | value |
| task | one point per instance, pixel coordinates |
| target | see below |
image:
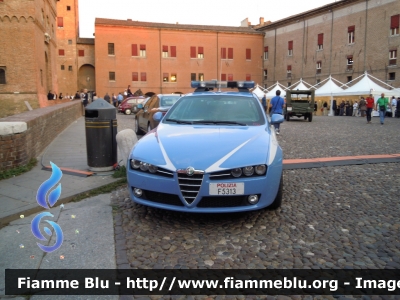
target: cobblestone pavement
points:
(332, 217)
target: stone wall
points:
(25, 136)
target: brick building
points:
(27, 53)
(164, 58)
(342, 39)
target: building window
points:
(61, 52)
(192, 76)
(289, 84)
(69, 68)
(290, 48)
(111, 49)
(164, 51)
(2, 76)
(248, 54)
(192, 52)
(173, 77)
(392, 76)
(392, 57)
(223, 53)
(266, 53)
(200, 52)
(201, 77)
(350, 34)
(394, 24)
(350, 62)
(320, 44)
(319, 67)
(135, 76)
(349, 78)
(173, 51)
(230, 53)
(60, 22)
(62, 67)
(318, 81)
(289, 71)
(265, 74)
(81, 52)
(142, 52)
(41, 77)
(68, 7)
(143, 76)
(111, 76)
(69, 42)
(230, 77)
(223, 77)
(248, 77)
(165, 77)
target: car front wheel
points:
(278, 199)
(128, 111)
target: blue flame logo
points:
(53, 196)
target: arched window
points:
(2, 76)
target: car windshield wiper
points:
(179, 121)
(219, 122)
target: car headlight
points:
(152, 169)
(260, 169)
(144, 166)
(236, 172)
(135, 164)
(248, 171)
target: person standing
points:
(393, 107)
(363, 106)
(120, 98)
(370, 106)
(325, 107)
(342, 106)
(128, 91)
(107, 97)
(382, 103)
(355, 109)
(85, 99)
(398, 108)
(50, 96)
(276, 107)
(114, 100)
(264, 102)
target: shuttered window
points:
(223, 77)
(134, 50)
(248, 77)
(192, 52)
(248, 54)
(173, 51)
(223, 53)
(60, 22)
(61, 52)
(230, 77)
(290, 45)
(394, 21)
(230, 53)
(135, 76)
(81, 52)
(143, 76)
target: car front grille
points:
(163, 198)
(224, 201)
(190, 186)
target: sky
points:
(199, 12)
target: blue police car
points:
(213, 152)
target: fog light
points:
(138, 192)
(253, 199)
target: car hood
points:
(208, 148)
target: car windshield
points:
(216, 109)
(169, 100)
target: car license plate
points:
(224, 188)
(289, 109)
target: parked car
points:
(213, 152)
(129, 105)
(144, 121)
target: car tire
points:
(305, 116)
(137, 129)
(278, 199)
(128, 111)
(148, 127)
(287, 117)
(310, 118)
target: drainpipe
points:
(159, 53)
(365, 38)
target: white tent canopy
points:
(365, 87)
(328, 88)
(272, 92)
(258, 92)
(300, 85)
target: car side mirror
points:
(140, 106)
(277, 118)
(158, 116)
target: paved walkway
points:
(68, 150)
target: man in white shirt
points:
(355, 109)
(393, 108)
